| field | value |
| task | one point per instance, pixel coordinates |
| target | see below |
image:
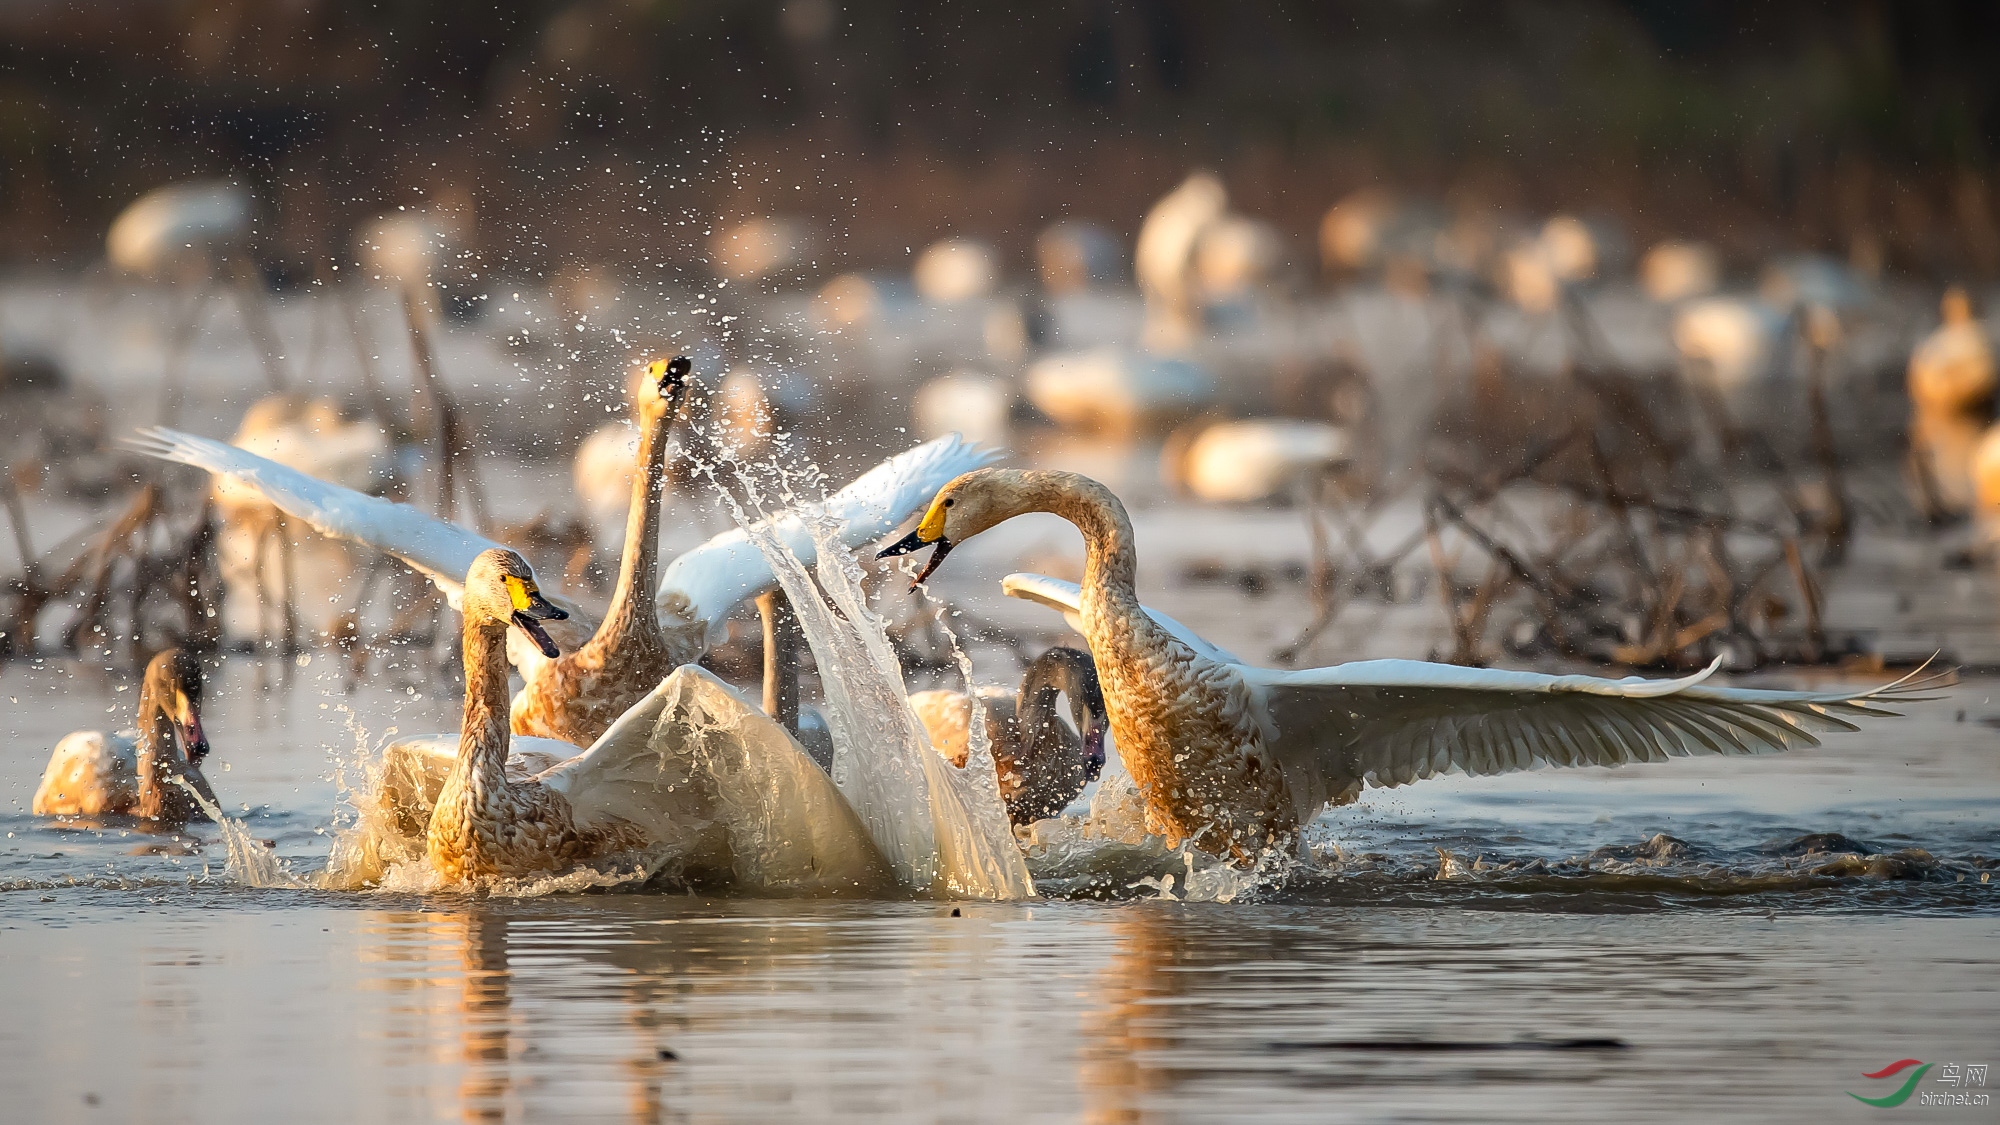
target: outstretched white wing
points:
(1065, 598)
(723, 793)
(1392, 722)
(442, 551)
(706, 583)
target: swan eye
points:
(950, 502)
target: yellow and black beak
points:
(530, 610)
(913, 541)
(929, 530)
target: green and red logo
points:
(1902, 1095)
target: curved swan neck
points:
(1110, 600)
(483, 734)
(639, 563)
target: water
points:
(1748, 981)
(229, 1007)
(942, 827)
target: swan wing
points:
(442, 551)
(439, 550)
(1066, 598)
(1392, 722)
(706, 583)
(722, 792)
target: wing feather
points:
(706, 583)
(442, 551)
(1391, 722)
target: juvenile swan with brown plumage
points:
(134, 773)
(1235, 759)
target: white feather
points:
(442, 551)
(720, 573)
(1391, 722)
(1065, 598)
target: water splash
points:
(249, 862)
(943, 829)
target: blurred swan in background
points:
(1951, 385)
(1255, 459)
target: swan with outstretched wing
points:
(1235, 758)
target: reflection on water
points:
(1804, 918)
(651, 1008)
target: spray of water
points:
(250, 863)
(942, 828)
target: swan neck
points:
(639, 562)
(483, 734)
(160, 762)
(1110, 557)
(1044, 681)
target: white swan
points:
(180, 225)
(95, 773)
(691, 777)
(1236, 758)
(1952, 369)
(1255, 459)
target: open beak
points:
(913, 541)
(529, 621)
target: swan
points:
(1118, 391)
(953, 270)
(1675, 271)
(1235, 759)
(312, 436)
(1042, 764)
(698, 591)
(181, 226)
(413, 769)
(1951, 370)
(1256, 459)
(691, 775)
(94, 773)
(575, 697)
(1163, 259)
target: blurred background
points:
(1862, 129)
(1632, 333)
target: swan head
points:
(1073, 673)
(663, 386)
(967, 505)
(500, 590)
(173, 684)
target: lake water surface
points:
(1810, 918)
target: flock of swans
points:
(620, 748)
